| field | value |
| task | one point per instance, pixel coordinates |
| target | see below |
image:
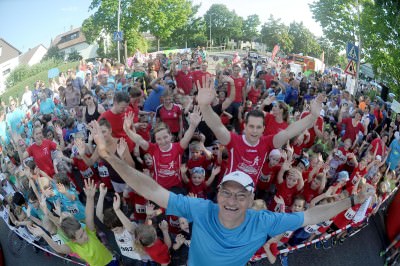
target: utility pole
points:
(210, 31)
(359, 46)
(119, 14)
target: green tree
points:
(53, 53)
(303, 40)
(192, 34)
(225, 24)
(74, 56)
(250, 28)
(136, 16)
(275, 32)
(374, 23)
(169, 16)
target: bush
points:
(23, 72)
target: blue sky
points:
(27, 23)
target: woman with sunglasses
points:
(91, 109)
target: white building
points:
(33, 55)
(9, 59)
(74, 40)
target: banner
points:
(275, 51)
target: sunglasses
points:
(87, 98)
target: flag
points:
(275, 51)
(323, 57)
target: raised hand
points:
(163, 226)
(116, 202)
(121, 147)
(81, 146)
(150, 209)
(279, 200)
(206, 94)
(316, 105)
(195, 116)
(215, 171)
(184, 168)
(57, 208)
(269, 100)
(90, 188)
(128, 122)
(61, 188)
(103, 189)
(98, 137)
(59, 130)
(36, 230)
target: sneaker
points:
(284, 260)
(334, 241)
(318, 245)
(326, 244)
(341, 241)
(382, 253)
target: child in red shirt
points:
(147, 240)
(197, 185)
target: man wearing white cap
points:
(227, 233)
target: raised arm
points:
(229, 100)
(90, 191)
(128, 225)
(137, 180)
(131, 132)
(205, 97)
(100, 202)
(194, 120)
(301, 125)
(325, 212)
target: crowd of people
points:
(160, 162)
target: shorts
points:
(118, 187)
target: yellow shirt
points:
(93, 251)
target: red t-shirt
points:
(267, 176)
(144, 132)
(351, 131)
(381, 146)
(85, 170)
(346, 217)
(246, 157)
(167, 165)
(170, 117)
(42, 155)
(158, 252)
(309, 193)
(286, 193)
(134, 108)
(254, 95)
(173, 224)
(200, 191)
(268, 79)
(139, 206)
(272, 127)
(354, 178)
(200, 162)
(184, 81)
(198, 76)
(320, 126)
(239, 84)
(117, 125)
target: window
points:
(69, 37)
(7, 71)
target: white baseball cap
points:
(240, 177)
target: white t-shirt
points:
(125, 243)
(27, 98)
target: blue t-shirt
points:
(394, 155)
(213, 244)
(153, 100)
(14, 120)
(74, 207)
(47, 106)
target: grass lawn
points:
(18, 89)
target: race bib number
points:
(72, 209)
(350, 214)
(354, 181)
(103, 171)
(310, 229)
(88, 173)
(140, 208)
